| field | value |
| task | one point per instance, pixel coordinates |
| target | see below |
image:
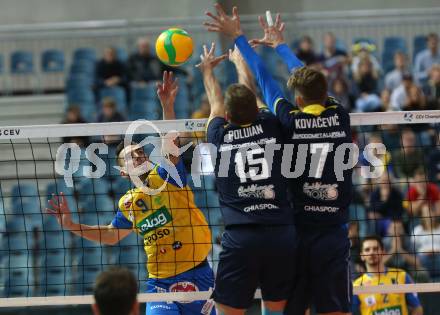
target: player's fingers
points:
(205, 50)
(262, 22)
(220, 10)
(214, 29)
(277, 20)
(209, 24)
(282, 27)
(212, 50)
(212, 16)
(50, 211)
(235, 12)
(54, 206)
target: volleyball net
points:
(43, 264)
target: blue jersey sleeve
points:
(356, 304)
(269, 87)
(289, 58)
(412, 299)
(215, 130)
(180, 167)
(121, 222)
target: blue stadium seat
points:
(84, 54)
(143, 92)
(85, 67)
(92, 187)
(129, 254)
(2, 63)
(24, 190)
(121, 54)
(79, 81)
(56, 240)
(212, 199)
(52, 60)
(395, 43)
(19, 259)
(117, 94)
(92, 256)
(419, 44)
(22, 62)
(15, 223)
(105, 204)
(55, 258)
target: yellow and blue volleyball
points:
(174, 47)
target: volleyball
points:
(174, 46)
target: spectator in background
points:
(373, 255)
(385, 100)
(394, 78)
(109, 112)
(339, 89)
(406, 160)
(355, 249)
(144, 67)
(385, 204)
(204, 109)
(426, 238)
(401, 254)
(434, 162)
(332, 58)
(422, 194)
(73, 116)
(415, 99)
(366, 78)
(399, 96)
(115, 292)
(431, 88)
(426, 59)
(110, 71)
(361, 51)
(306, 52)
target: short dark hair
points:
(241, 104)
(310, 84)
(432, 36)
(115, 291)
(376, 238)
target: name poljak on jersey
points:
(242, 133)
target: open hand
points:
(208, 60)
(222, 23)
(60, 210)
(167, 90)
(235, 56)
(273, 35)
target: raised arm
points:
(212, 87)
(244, 74)
(230, 26)
(273, 37)
(167, 92)
(104, 234)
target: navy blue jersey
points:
(248, 171)
(323, 192)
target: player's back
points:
(321, 136)
(248, 171)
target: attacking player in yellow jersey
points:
(176, 235)
(372, 252)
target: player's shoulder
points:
(360, 280)
(396, 272)
(130, 197)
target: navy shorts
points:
(323, 274)
(255, 256)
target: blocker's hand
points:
(208, 61)
(60, 210)
(273, 35)
(167, 90)
(222, 23)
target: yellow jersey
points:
(176, 234)
(384, 304)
